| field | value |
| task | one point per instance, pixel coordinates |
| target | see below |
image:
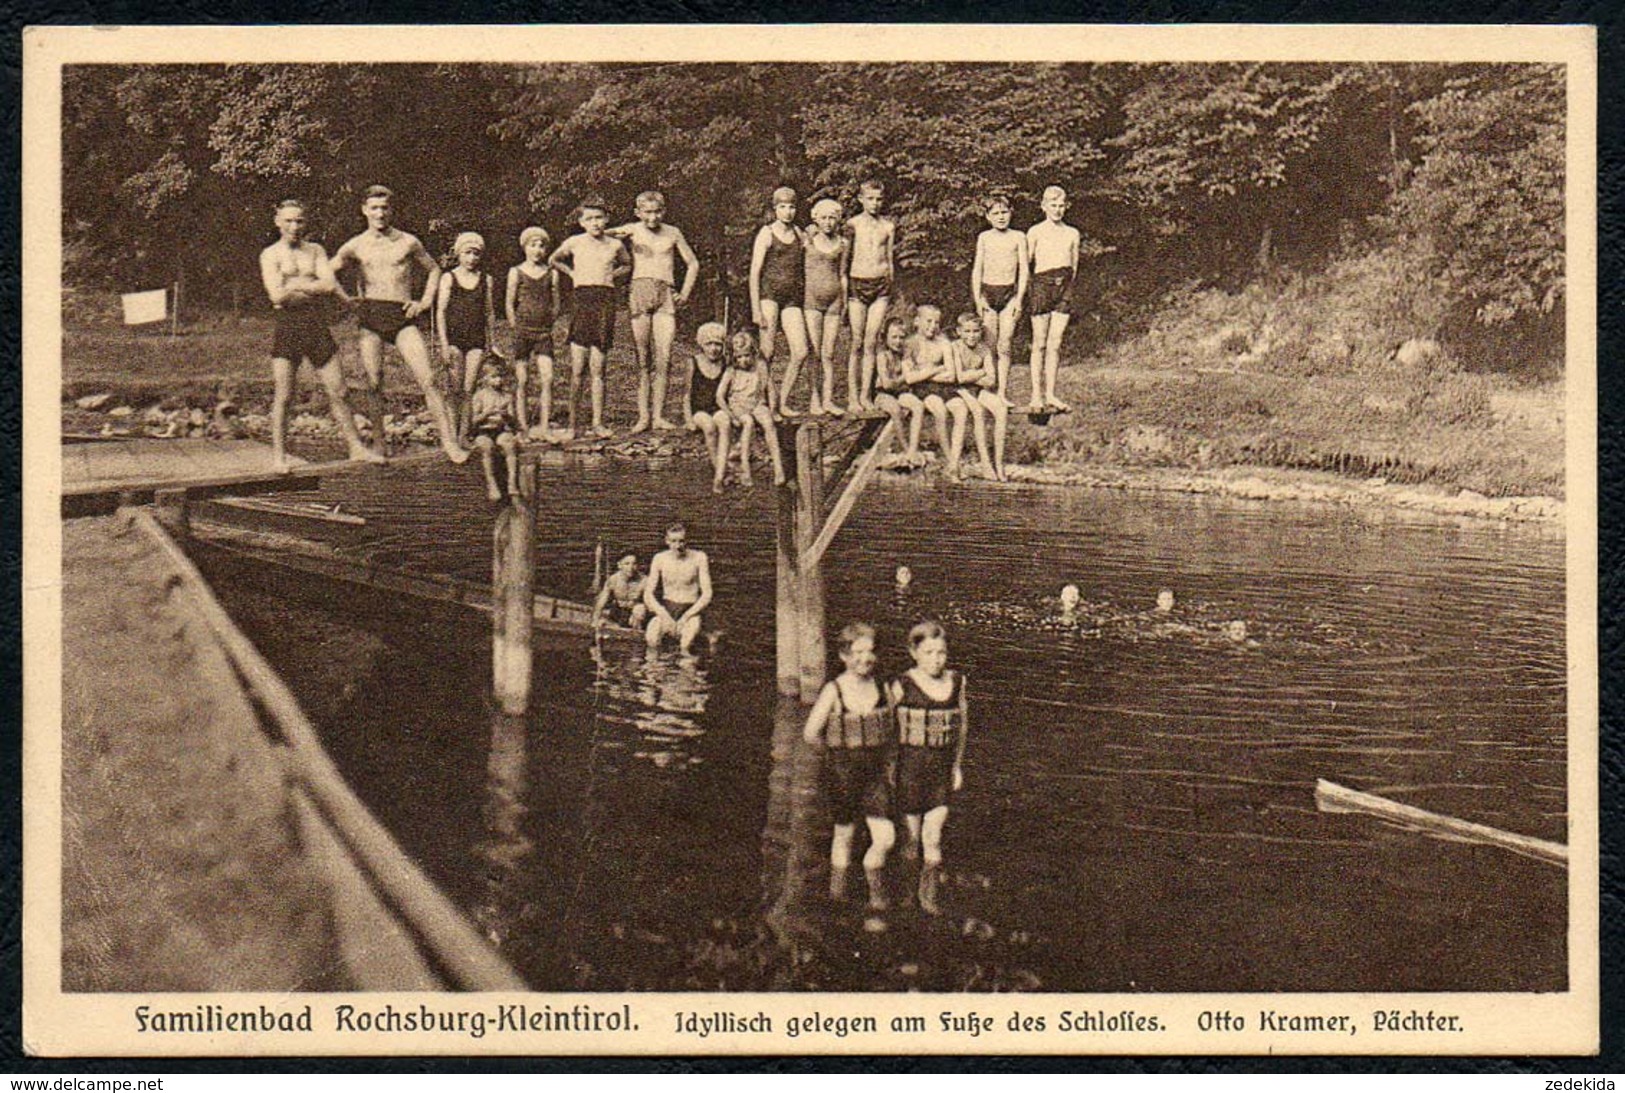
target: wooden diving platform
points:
(97, 478)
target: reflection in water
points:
(659, 694)
(505, 848)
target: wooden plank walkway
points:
(97, 477)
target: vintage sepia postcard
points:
(803, 540)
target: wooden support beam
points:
(513, 568)
(866, 434)
(810, 579)
(866, 468)
(786, 597)
(1331, 797)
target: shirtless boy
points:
(678, 589)
(977, 374)
(300, 284)
(998, 282)
(384, 256)
(620, 601)
(654, 299)
(869, 278)
(1052, 247)
(928, 369)
(592, 260)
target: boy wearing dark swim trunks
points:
(998, 282)
(653, 300)
(928, 369)
(492, 411)
(620, 601)
(531, 301)
(869, 279)
(1053, 248)
(593, 261)
(932, 724)
(299, 281)
(852, 720)
(892, 395)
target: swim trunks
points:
(385, 318)
(855, 784)
(526, 345)
(784, 273)
(593, 323)
(944, 391)
(997, 296)
(651, 296)
(867, 290)
(619, 613)
(302, 332)
(823, 273)
(674, 608)
(1052, 291)
(466, 311)
(494, 429)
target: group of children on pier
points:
(804, 283)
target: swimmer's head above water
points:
(1165, 600)
(1236, 630)
(905, 576)
(1070, 597)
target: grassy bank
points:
(1302, 376)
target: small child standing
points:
(704, 412)
(532, 300)
(853, 720)
(932, 723)
(492, 411)
(998, 282)
(746, 394)
(463, 315)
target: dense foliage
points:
(1181, 175)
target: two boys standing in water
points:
(893, 748)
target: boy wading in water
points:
(1053, 247)
(932, 723)
(853, 720)
(593, 261)
(300, 284)
(998, 283)
(874, 239)
(387, 312)
(654, 300)
(620, 601)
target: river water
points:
(1138, 811)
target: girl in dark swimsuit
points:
(704, 374)
(853, 721)
(778, 286)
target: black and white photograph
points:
(808, 540)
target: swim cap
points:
(827, 205)
(532, 233)
(714, 333)
(466, 240)
(784, 195)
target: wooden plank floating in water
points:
(551, 613)
(1331, 797)
(304, 510)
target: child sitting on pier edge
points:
(932, 723)
(893, 396)
(704, 412)
(493, 421)
(853, 720)
(746, 394)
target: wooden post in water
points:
(787, 593)
(513, 566)
(810, 578)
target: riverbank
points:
(1452, 444)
